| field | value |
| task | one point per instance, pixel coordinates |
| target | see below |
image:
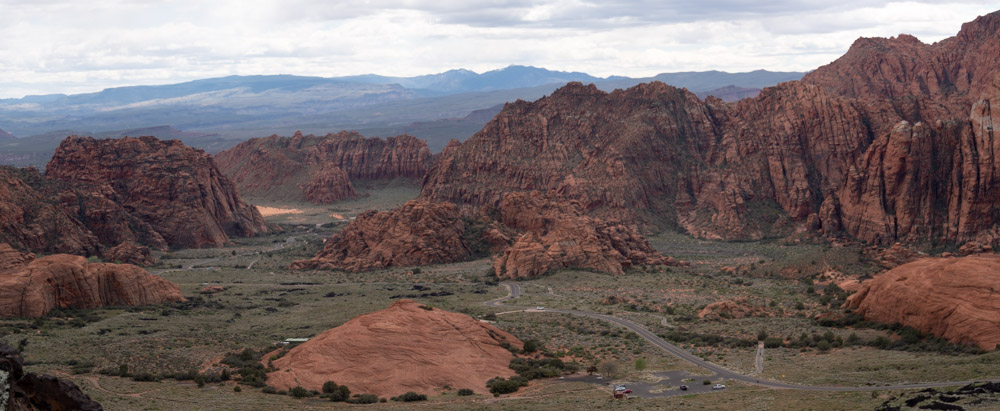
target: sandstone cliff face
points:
(844, 152)
(958, 298)
(417, 233)
(558, 235)
(11, 258)
(321, 167)
(61, 280)
(175, 189)
(399, 349)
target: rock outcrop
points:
(417, 233)
(11, 258)
(959, 298)
(847, 151)
(130, 253)
(24, 391)
(320, 169)
(406, 347)
(558, 235)
(60, 281)
(736, 308)
(177, 190)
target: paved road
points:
(720, 372)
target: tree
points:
(608, 369)
(591, 369)
(640, 364)
(530, 346)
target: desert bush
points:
(410, 396)
(363, 399)
(298, 392)
(464, 392)
(499, 385)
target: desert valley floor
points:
(243, 297)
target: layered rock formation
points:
(60, 281)
(24, 391)
(959, 298)
(177, 191)
(320, 169)
(558, 235)
(406, 347)
(417, 233)
(847, 151)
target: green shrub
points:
(464, 392)
(299, 392)
(498, 385)
(363, 399)
(338, 393)
(706, 382)
(530, 346)
(410, 396)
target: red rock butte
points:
(406, 347)
(959, 298)
(175, 189)
(32, 289)
(417, 233)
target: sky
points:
(59, 46)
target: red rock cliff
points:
(175, 189)
(842, 152)
(319, 169)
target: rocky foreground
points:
(406, 347)
(32, 287)
(320, 168)
(893, 142)
(955, 298)
(25, 391)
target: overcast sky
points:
(57, 46)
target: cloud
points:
(53, 46)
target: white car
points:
(718, 387)
(539, 308)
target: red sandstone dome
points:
(959, 298)
(406, 347)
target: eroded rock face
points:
(175, 189)
(736, 308)
(130, 253)
(11, 258)
(958, 298)
(28, 391)
(60, 281)
(846, 151)
(405, 347)
(322, 167)
(558, 235)
(417, 233)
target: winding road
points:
(721, 372)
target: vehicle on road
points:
(684, 388)
(539, 308)
(718, 387)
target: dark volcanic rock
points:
(175, 189)
(417, 233)
(323, 166)
(28, 391)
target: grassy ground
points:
(267, 303)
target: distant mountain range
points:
(219, 112)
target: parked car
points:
(539, 308)
(684, 388)
(719, 387)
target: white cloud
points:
(68, 46)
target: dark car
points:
(684, 388)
